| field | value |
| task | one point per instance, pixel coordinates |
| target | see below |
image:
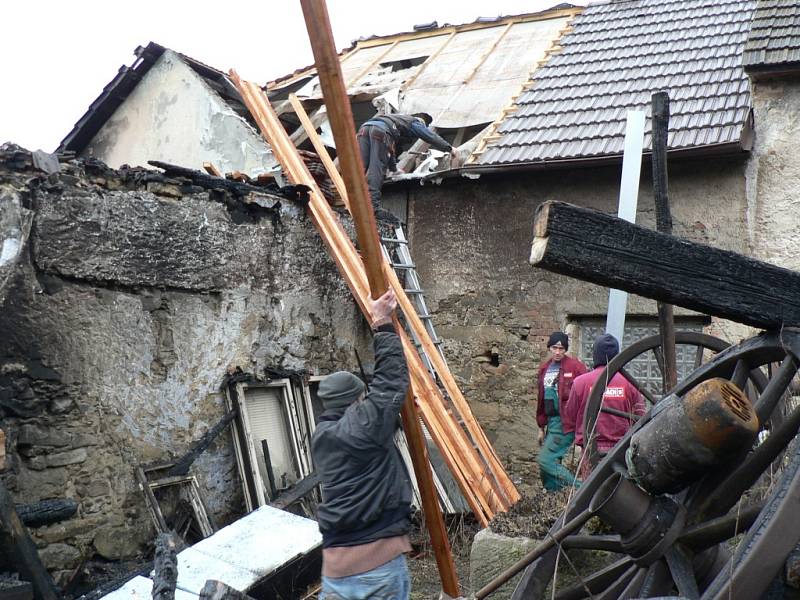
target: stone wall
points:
(471, 241)
(133, 296)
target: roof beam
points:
(428, 60)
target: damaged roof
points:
(773, 46)
(127, 78)
(462, 75)
(617, 55)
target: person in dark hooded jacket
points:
(364, 516)
(380, 140)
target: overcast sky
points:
(56, 56)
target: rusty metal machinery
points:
(701, 496)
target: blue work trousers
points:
(390, 581)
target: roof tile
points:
(615, 57)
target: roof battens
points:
(371, 65)
(431, 58)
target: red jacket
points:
(571, 368)
(619, 394)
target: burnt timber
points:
(608, 251)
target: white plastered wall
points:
(175, 117)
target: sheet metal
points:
(240, 555)
(617, 55)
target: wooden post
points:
(341, 119)
(216, 590)
(24, 550)
(165, 567)
(2, 450)
(666, 320)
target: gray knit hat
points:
(340, 389)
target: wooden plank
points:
(2, 450)
(605, 250)
(165, 568)
(212, 170)
(24, 550)
(407, 83)
(322, 151)
(341, 118)
(338, 242)
(369, 67)
(301, 133)
(488, 52)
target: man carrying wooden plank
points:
(366, 490)
(380, 139)
(556, 376)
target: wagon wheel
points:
(692, 561)
(699, 342)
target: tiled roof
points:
(774, 39)
(616, 56)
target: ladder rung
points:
(413, 291)
(425, 316)
(393, 241)
(403, 266)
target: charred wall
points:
(471, 241)
(133, 296)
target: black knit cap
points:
(558, 337)
(605, 348)
(340, 389)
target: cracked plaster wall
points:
(774, 173)
(172, 115)
(119, 323)
(471, 242)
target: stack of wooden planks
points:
(466, 450)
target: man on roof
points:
(380, 140)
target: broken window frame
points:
(296, 423)
(148, 487)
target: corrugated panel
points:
(775, 36)
(616, 56)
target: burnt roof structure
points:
(615, 57)
(773, 46)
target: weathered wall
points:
(118, 327)
(174, 116)
(774, 173)
(471, 241)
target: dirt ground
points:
(531, 517)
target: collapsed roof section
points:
(614, 58)
(462, 75)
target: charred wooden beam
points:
(216, 590)
(301, 489)
(165, 567)
(24, 550)
(666, 320)
(46, 511)
(181, 466)
(602, 249)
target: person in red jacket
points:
(556, 376)
(619, 394)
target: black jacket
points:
(366, 491)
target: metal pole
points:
(340, 117)
(628, 199)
